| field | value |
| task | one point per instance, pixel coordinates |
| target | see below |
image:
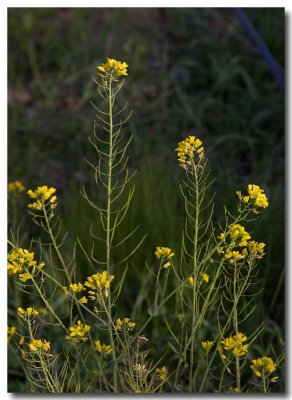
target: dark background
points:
(191, 71)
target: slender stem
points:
(195, 274)
(235, 323)
(108, 226)
(155, 302)
(264, 383)
(221, 380)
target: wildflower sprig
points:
(43, 196)
(263, 367)
(103, 349)
(98, 285)
(124, 324)
(165, 254)
(78, 333)
(21, 262)
(207, 345)
(236, 344)
(187, 149)
(114, 67)
(39, 345)
(254, 199)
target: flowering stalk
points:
(111, 173)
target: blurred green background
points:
(191, 71)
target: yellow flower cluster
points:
(207, 345)
(19, 261)
(10, 332)
(39, 344)
(78, 332)
(102, 348)
(42, 194)
(239, 237)
(162, 372)
(262, 365)
(77, 287)
(256, 196)
(29, 312)
(256, 249)
(111, 65)
(233, 256)
(16, 187)
(125, 323)
(165, 253)
(98, 284)
(187, 149)
(234, 344)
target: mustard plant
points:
(67, 331)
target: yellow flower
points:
(25, 276)
(165, 253)
(40, 344)
(220, 250)
(77, 287)
(21, 340)
(239, 235)
(256, 249)
(98, 284)
(162, 372)
(187, 149)
(19, 261)
(221, 236)
(78, 332)
(83, 300)
(205, 278)
(102, 348)
(207, 345)
(234, 344)
(111, 65)
(262, 365)
(191, 280)
(16, 187)
(42, 194)
(233, 256)
(124, 324)
(10, 332)
(255, 195)
(29, 312)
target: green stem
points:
(235, 323)
(195, 276)
(264, 383)
(221, 380)
(108, 226)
